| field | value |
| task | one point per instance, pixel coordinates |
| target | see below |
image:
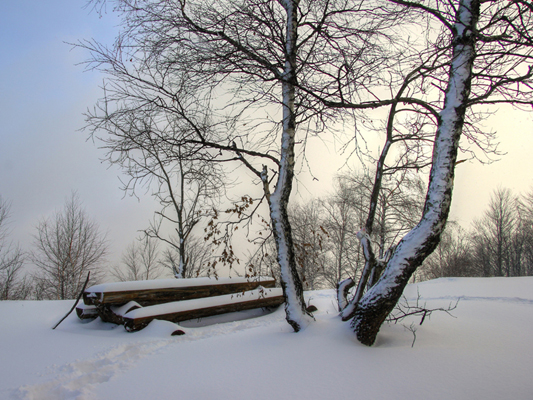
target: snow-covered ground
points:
(485, 352)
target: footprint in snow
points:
(79, 379)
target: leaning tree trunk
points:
(379, 301)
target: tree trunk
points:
(370, 263)
(291, 284)
(380, 300)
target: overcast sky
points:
(43, 156)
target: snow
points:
(167, 283)
(186, 305)
(482, 353)
(120, 310)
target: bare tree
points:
(489, 47)
(12, 259)
(342, 218)
(196, 256)
(67, 246)
(140, 261)
(310, 242)
(198, 185)
(526, 233)
(453, 257)
(276, 62)
(494, 233)
(183, 184)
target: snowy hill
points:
(485, 352)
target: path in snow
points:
(79, 380)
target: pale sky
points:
(43, 93)
(43, 156)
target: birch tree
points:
(369, 313)
(278, 64)
(490, 47)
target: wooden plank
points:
(195, 288)
(115, 314)
(86, 312)
(193, 309)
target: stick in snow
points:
(77, 300)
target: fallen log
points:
(205, 307)
(86, 312)
(115, 314)
(159, 291)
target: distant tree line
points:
(69, 244)
(499, 243)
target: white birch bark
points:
(296, 314)
(379, 301)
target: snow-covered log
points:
(379, 301)
(200, 308)
(167, 290)
(115, 314)
(86, 312)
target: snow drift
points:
(483, 352)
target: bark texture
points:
(296, 313)
(379, 301)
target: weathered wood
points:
(193, 290)
(114, 314)
(192, 309)
(86, 312)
